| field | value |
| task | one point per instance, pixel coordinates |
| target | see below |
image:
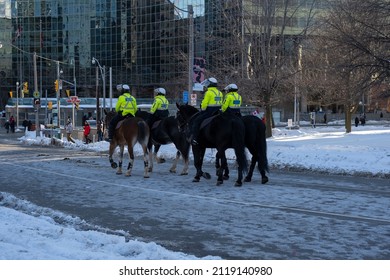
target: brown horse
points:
(129, 132)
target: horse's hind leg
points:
(131, 160)
(174, 164)
(222, 168)
(248, 177)
(147, 159)
(119, 170)
(156, 157)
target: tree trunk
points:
(269, 121)
(348, 119)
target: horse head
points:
(184, 115)
(108, 116)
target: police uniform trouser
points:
(111, 128)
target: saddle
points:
(206, 121)
(155, 124)
(118, 125)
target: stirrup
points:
(194, 142)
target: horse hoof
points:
(264, 180)
(146, 176)
(219, 183)
(183, 173)
(206, 175)
(238, 184)
(225, 177)
(195, 180)
(172, 171)
(114, 165)
(119, 173)
(247, 179)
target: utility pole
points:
(36, 97)
(190, 48)
(58, 94)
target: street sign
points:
(193, 99)
(73, 99)
(185, 96)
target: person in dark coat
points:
(357, 121)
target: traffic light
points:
(25, 87)
(76, 105)
(56, 85)
(68, 92)
(50, 105)
(10, 94)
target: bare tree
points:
(260, 49)
(351, 48)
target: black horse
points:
(166, 132)
(255, 141)
(222, 132)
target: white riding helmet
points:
(160, 91)
(125, 87)
(213, 80)
(231, 87)
(210, 82)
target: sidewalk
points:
(11, 136)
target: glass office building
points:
(143, 43)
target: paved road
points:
(295, 216)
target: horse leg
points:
(264, 178)
(121, 150)
(146, 161)
(186, 164)
(110, 153)
(157, 158)
(248, 177)
(221, 169)
(198, 161)
(174, 164)
(131, 160)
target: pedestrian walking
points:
(12, 124)
(69, 130)
(6, 126)
(87, 132)
(357, 121)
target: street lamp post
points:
(17, 104)
(191, 48)
(103, 74)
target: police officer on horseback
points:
(233, 100)
(125, 107)
(159, 109)
(211, 104)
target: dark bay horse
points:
(223, 132)
(129, 132)
(166, 132)
(256, 143)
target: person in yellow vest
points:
(159, 109)
(233, 100)
(125, 107)
(211, 104)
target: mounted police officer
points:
(125, 107)
(159, 109)
(211, 104)
(233, 100)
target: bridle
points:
(183, 122)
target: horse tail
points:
(143, 132)
(238, 141)
(262, 150)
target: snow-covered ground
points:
(327, 148)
